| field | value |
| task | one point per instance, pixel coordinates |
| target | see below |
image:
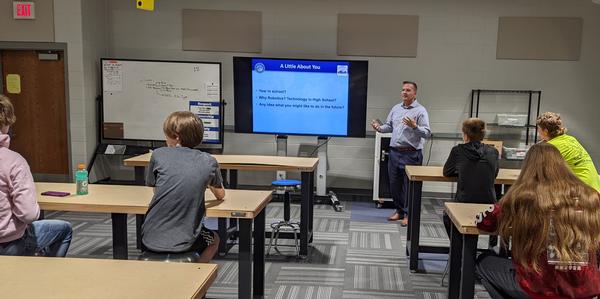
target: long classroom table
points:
(416, 176)
(463, 248)
(248, 206)
(233, 163)
(48, 277)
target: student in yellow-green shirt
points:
(551, 130)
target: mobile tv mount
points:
(321, 194)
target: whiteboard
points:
(138, 95)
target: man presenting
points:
(409, 123)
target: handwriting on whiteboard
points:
(170, 90)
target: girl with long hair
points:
(552, 219)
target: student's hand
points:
(218, 192)
(411, 122)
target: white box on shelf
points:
(517, 120)
(514, 153)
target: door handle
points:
(384, 155)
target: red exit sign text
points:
(23, 10)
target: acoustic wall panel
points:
(539, 38)
(378, 35)
(222, 30)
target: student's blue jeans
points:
(42, 237)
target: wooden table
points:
(46, 277)
(248, 206)
(233, 163)
(463, 247)
(416, 176)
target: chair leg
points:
(277, 239)
(274, 229)
(270, 242)
(445, 271)
(296, 241)
(287, 199)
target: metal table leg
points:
(245, 259)
(306, 211)
(259, 254)
(414, 220)
(119, 232)
(139, 175)
(455, 260)
(469, 251)
(139, 221)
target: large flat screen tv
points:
(300, 97)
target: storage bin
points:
(517, 120)
(514, 153)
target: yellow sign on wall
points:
(145, 4)
(13, 83)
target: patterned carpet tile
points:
(388, 227)
(306, 292)
(220, 292)
(330, 238)
(331, 225)
(354, 294)
(383, 278)
(372, 240)
(433, 295)
(376, 257)
(325, 211)
(310, 275)
(325, 254)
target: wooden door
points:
(40, 133)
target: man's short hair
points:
(474, 128)
(410, 82)
(186, 126)
(7, 112)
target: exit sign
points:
(23, 10)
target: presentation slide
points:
(300, 96)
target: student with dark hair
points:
(20, 231)
(180, 175)
(476, 166)
(552, 220)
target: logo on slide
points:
(259, 67)
(342, 70)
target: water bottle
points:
(81, 178)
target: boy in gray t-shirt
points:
(180, 176)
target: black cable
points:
(430, 146)
(318, 146)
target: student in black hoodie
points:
(476, 166)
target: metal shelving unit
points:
(509, 134)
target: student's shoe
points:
(404, 222)
(395, 217)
